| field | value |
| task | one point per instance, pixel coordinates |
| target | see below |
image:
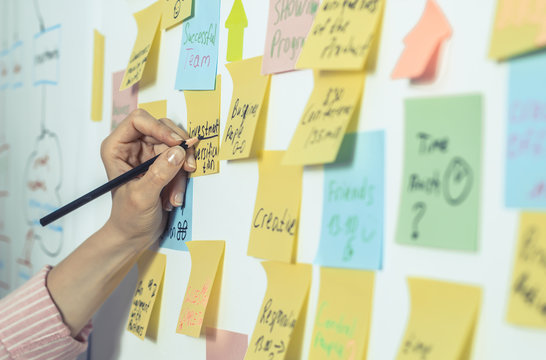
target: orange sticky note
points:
(206, 257)
(151, 267)
(174, 12)
(422, 43)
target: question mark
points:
(419, 207)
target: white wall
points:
(226, 200)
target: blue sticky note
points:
(178, 231)
(526, 133)
(352, 214)
(198, 58)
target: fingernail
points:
(178, 199)
(168, 207)
(176, 136)
(175, 156)
(191, 162)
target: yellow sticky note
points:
(151, 267)
(147, 21)
(174, 12)
(277, 210)
(520, 27)
(236, 24)
(157, 109)
(98, 76)
(344, 310)
(249, 95)
(324, 121)
(342, 35)
(286, 294)
(527, 301)
(205, 259)
(204, 120)
(442, 320)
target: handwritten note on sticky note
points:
(204, 121)
(147, 22)
(277, 210)
(287, 28)
(344, 309)
(442, 320)
(179, 229)
(342, 35)
(157, 109)
(520, 27)
(206, 257)
(525, 185)
(442, 173)
(225, 345)
(236, 24)
(174, 12)
(151, 267)
(123, 101)
(422, 43)
(198, 58)
(351, 233)
(249, 95)
(321, 128)
(527, 301)
(98, 76)
(287, 290)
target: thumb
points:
(162, 171)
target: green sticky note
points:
(442, 173)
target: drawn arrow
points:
(236, 24)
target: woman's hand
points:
(139, 208)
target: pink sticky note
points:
(123, 102)
(423, 43)
(225, 345)
(287, 29)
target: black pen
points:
(109, 186)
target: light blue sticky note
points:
(198, 58)
(352, 214)
(526, 133)
(178, 231)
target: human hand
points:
(139, 208)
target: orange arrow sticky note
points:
(422, 44)
(236, 24)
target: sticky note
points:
(179, 229)
(225, 345)
(147, 22)
(203, 108)
(287, 28)
(157, 109)
(206, 257)
(198, 59)
(342, 35)
(236, 24)
(442, 320)
(98, 76)
(151, 267)
(525, 185)
(123, 101)
(422, 43)
(285, 297)
(323, 123)
(343, 317)
(520, 27)
(351, 231)
(174, 12)
(527, 299)
(276, 214)
(442, 173)
(245, 112)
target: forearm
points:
(84, 280)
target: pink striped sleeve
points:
(31, 326)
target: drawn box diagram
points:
(46, 56)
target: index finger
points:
(140, 124)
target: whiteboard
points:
(223, 203)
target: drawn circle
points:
(177, 6)
(52, 248)
(458, 179)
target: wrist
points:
(123, 240)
